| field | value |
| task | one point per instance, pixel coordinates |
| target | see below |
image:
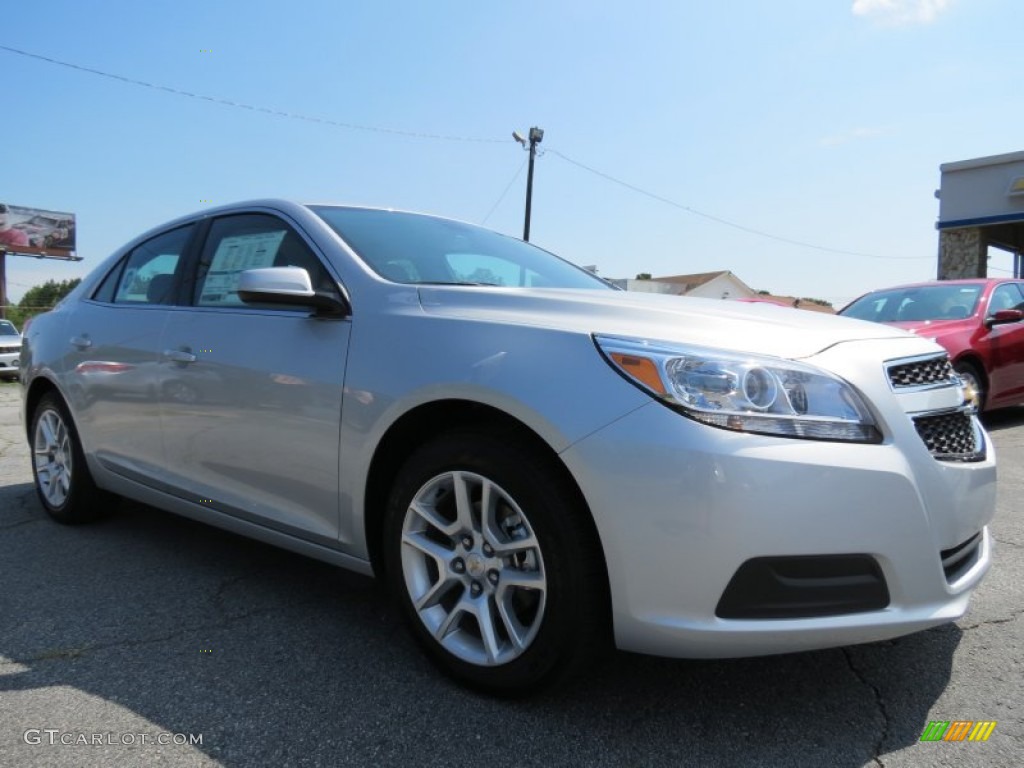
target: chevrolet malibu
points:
(539, 465)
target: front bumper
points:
(9, 364)
(680, 507)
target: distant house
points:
(709, 285)
(714, 285)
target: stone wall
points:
(962, 253)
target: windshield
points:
(418, 249)
(7, 328)
(917, 304)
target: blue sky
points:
(818, 121)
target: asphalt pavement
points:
(150, 640)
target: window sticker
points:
(234, 255)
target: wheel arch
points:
(39, 387)
(974, 360)
(402, 439)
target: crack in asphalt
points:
(1008, 542)
(1005, 620)
(876, 748)
(216, 599)
(74, 653)
(21, 502)
(20, 523)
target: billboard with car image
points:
(37, 232)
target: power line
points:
(504, 192)
(726, 222)
(251, 107)
(445, 137)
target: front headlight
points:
(747, 393)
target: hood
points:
(741, 327)
(934, 327)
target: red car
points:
(980, 322)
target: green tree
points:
(644, 276)
(48, 294)
(819, 302)
(39, 299)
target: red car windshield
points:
(917, 304)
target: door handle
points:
(81, 342)
(179, 356)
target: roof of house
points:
(687, 283)
(693, 281)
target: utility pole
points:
(3, 282)
(536, 136)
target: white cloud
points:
(855, 135)
(900, 11)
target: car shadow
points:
(1004, 418)
(151, 621)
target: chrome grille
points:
(929, 372)
(951, 436)
(957, 560)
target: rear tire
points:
(495, 563)
(63, 483)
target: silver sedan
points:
(539, 465)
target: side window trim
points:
(189, 262)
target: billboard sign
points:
(36, 232)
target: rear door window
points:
(147, 274)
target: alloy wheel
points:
(473, 568)
(52, 454)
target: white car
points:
(10, 350)
(538, 464)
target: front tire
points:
(495, 563)
(63, 483)
(974, 384)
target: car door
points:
(113, 353)
(1006, 345)
(250, 396)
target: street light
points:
(535, 137)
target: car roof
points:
(958, 281)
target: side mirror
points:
(288, 286)
(1003, 316)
